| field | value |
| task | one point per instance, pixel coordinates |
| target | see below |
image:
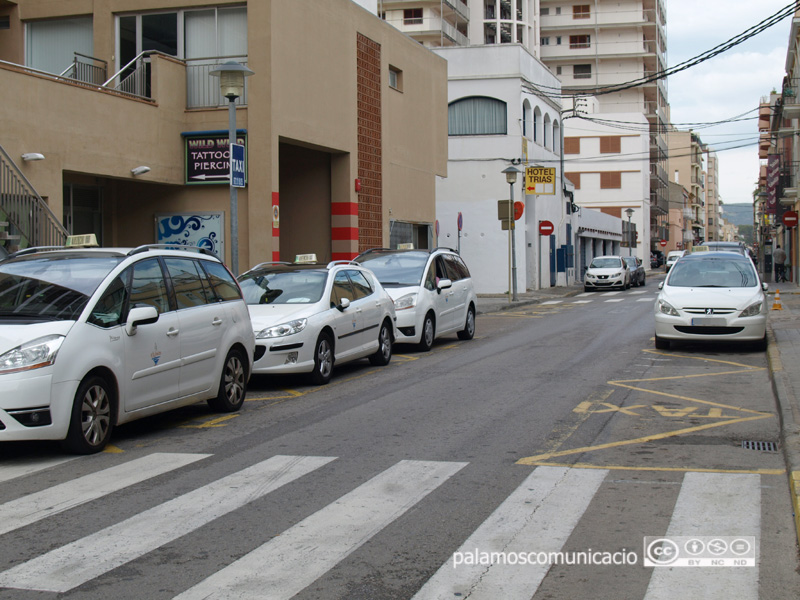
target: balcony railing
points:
(86, 69)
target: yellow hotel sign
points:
(540, 180)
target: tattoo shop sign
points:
(207, 156)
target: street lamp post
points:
(629, 212)
(511, 177)
(231, 86)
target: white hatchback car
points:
(308, 317)
(432, 291)
(94, 337)
(712, 297)
(672, 258)
(606, 273)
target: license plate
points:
(709, 321)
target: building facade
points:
(345, 127)
(687, 163)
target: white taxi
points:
(95, 337)
(309, 317)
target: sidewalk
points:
(783, 357)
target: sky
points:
(727, 85)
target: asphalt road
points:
(558, 433)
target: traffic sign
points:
(662, 243)
(546, 228)
(790, 218)
(237, 166)
(460, 221)
(540, 180)
(519, 208)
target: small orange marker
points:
(776, 304)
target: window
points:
(341, 289)
(5, 22)
(610, 180)
(526, 118)
(544, 11)
(186, 283)
(546, 132)
(148, 286)
(580, 11)
(558, 10)
(575, 178)
(412, 16)
(572, 145)
(361, 286)
(545, 41)
(395, 78)
(611, 144)
(490, 33)
(50, 45)
(558, 70)
(579, 41)
(477, 115)
(108, 312)
(537, 125)
(558, 40)
(582, 71)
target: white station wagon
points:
(95, 337)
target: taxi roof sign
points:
(305, 259)
(87, 240)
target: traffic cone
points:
(776, 304)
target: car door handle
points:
(173, 332)
(216, 322)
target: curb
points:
(790, 431)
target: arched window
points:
(526, 119)
(537, 125)
(477, 115)
(547, 132)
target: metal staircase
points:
(25, 219)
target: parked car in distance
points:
(91, 338)
(672, 258)
(712, 297)
(432, 290)
(308, 318)
(636, 269)
(653, 261)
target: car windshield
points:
(51, 287)
(283, 287)
(605, 263)
(713, 272)
(631, 262)
(398, 268)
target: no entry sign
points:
(546, 228)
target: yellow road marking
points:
(661, 469)
(218, 422)
(567, 433)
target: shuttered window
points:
(572, 145)
(610, 180)
(574, 178)
(611, 144)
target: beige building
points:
(687, 164)
(345, 126)
(679, 218)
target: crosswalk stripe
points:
(57, 499)
(644, 299)
(537, 517)
(21, 467)
(615, 300)
(553, 302)
(74, 564)
(290, 562)
(712, 504)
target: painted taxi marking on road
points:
(591, 406)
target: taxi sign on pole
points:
(540, 180)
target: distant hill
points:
(738, 214)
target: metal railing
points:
(27, 215)
(202, 90)
(94, 72)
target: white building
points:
(498, 119)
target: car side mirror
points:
(342, 306)
(140, 315)
(660, 285)
(443, 284)
(764, 286)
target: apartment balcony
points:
(791, 100)
(448, 8)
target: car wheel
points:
(232, 384)
(323, 360)
(92, 419)
(644, 279)
(761, 345)
(586, 288)
(428, 333)
(469, 326)
(384, 353)
(662, 344)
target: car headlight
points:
(283, 329)
(752, 310)
(407, 301)
(31, 355)
(666, 308)
(617, 274)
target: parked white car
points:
(712, 297)
(432, 290)
(307, 318)
(606, 273)
(94, 337)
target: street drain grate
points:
(760, 446)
